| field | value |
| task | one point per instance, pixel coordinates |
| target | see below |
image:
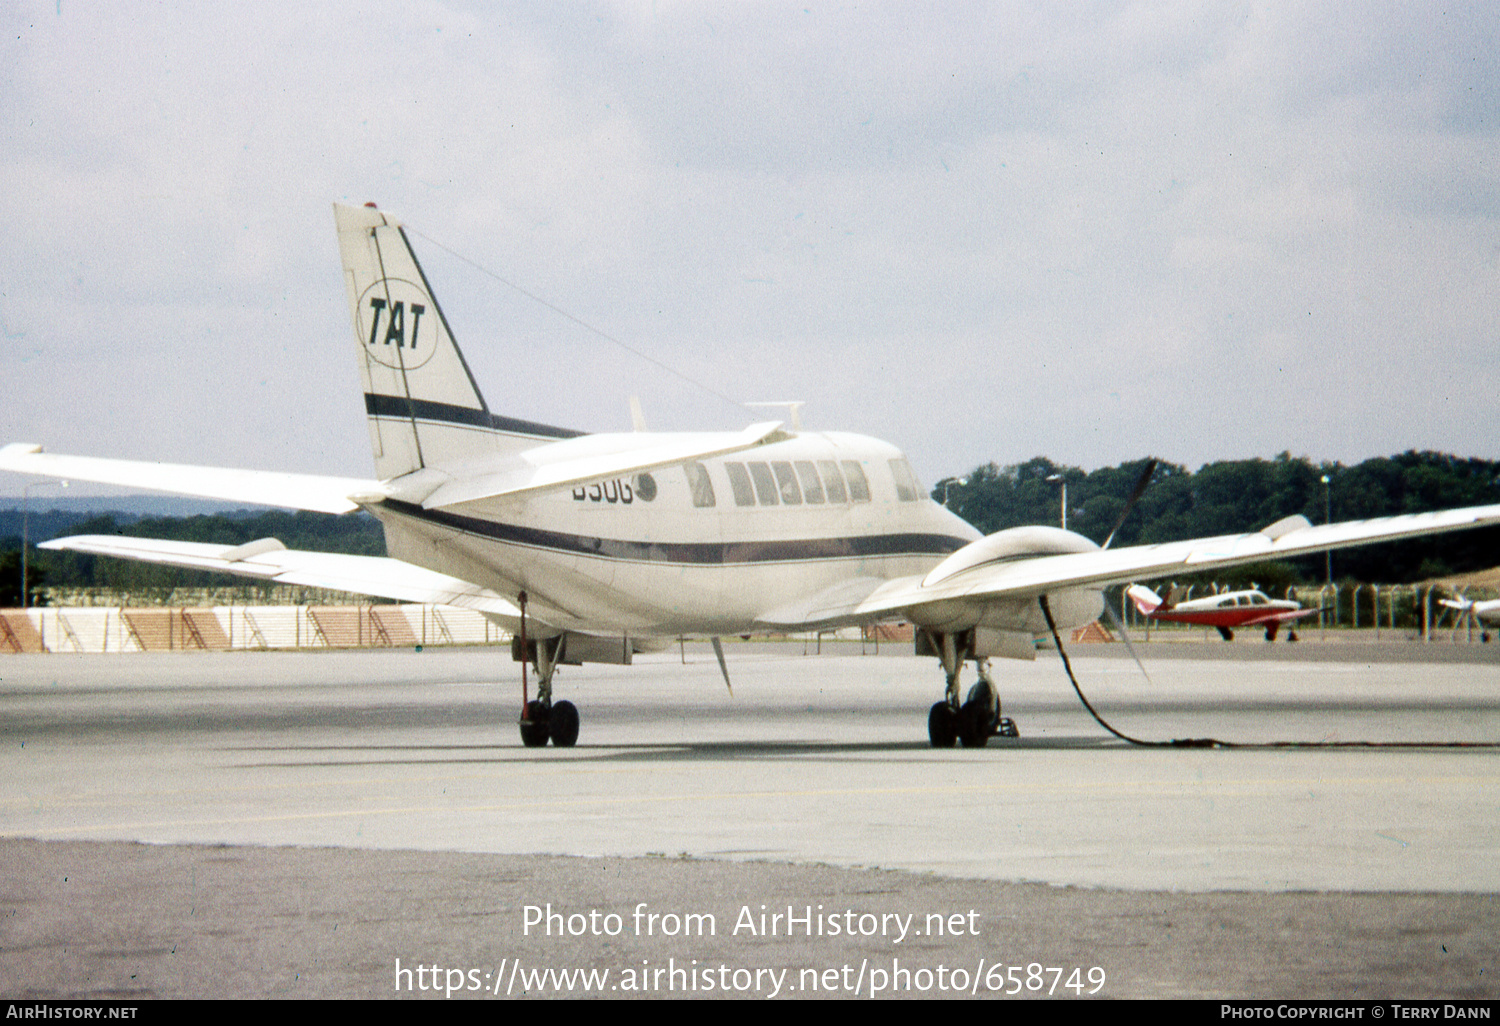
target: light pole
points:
(26, 533)
(1064, 481)
(960, 481)
(1327, 519)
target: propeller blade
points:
(723, 668)
(1135, 494)
(1119, 627)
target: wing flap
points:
(258, 487)
(830, 607)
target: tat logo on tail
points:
(391, 325)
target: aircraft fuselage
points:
(703, 548)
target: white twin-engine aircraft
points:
(591, 547)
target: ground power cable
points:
(1211, 742)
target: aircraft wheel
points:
(942, 725)
(564, 724)
(974, 724)
(1008, 728)
(535, 725)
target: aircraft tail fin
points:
(1146, 600)
(423, 404)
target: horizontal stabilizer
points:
(588, 458)
(364, 575)
(257, 487)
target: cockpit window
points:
(833, 480)
(765, 484)
(786, 482)
(907, 488)
(812, 488)
(859, 486)
(700, 484)
(739, 481)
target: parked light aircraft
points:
(1225, 611)
(1486, 611)
(588, 547)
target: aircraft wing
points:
(269, 560)
(1487, 610)
(555, 465)
(968, 579)
(260, 487)
(1285, 616)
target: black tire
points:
(942, 725)
(974, 724)
(564, 724)
(535, 725)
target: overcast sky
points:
(1090, 231)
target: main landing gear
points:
(542, 722)
(973, 721)
(541, 718)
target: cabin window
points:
(739, 481)
(786, 482)
(765, 484)
(907, 488)
(700, 485)
(859, 487)
(833, 481)
(812, 488)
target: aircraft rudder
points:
(1144, 598)
(423, 404)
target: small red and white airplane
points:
(1226, 611)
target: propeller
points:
(1135, 494)
(723, 668)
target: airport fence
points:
(1378, 612)
(225, 628)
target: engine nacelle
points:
(1008, 546)
(1019, 615)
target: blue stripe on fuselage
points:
(689, 553)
